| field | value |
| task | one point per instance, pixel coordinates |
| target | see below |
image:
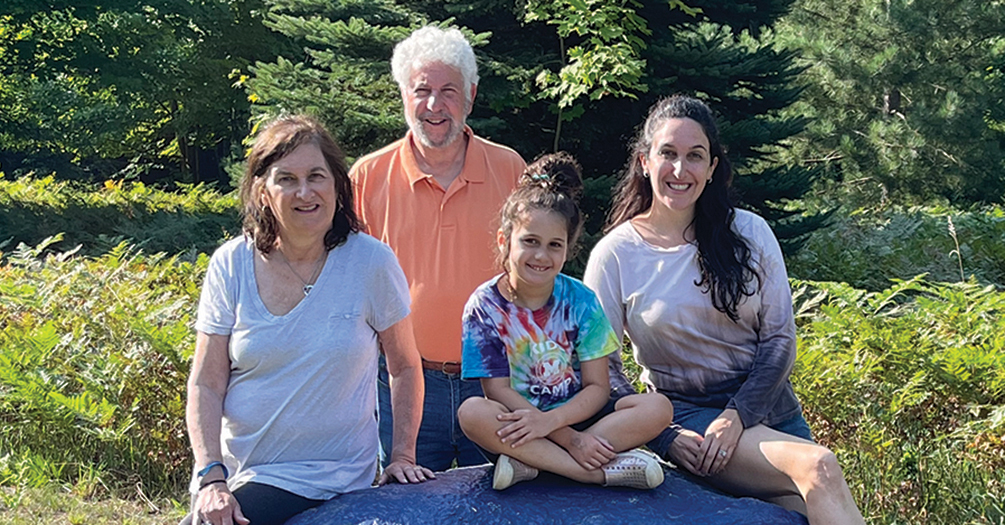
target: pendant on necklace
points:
(307, 289)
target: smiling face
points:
(537, 248)
(299, 189)
(679, 165)
(435, 104)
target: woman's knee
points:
(821, 469)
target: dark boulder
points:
(465, 496)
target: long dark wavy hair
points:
(553, 183)
(724, 257)
(279, 138)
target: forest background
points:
(870, 133)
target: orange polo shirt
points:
(445, 239)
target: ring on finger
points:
(722, 453)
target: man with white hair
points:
(434, 197)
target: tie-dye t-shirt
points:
(539, 350)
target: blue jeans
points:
(441, 440)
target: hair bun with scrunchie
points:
(554, 172)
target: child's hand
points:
(527, 425)
(590, 451)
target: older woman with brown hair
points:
(292, 318)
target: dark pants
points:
(266, 505)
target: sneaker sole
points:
(502, 476)
(654, 475)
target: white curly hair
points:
(431, 44)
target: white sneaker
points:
(635, 469)
(509, 472)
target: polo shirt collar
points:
(469, 173)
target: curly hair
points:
(553, 183)
(278, 139)
(432, 44)
(724, 257)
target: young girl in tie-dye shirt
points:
(538, 340)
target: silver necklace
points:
(308, 283)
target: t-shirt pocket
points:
(348, 330)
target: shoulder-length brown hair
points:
(279, 138)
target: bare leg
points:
(636, 420)
(775, 466)
(791, 502)
(477, 416)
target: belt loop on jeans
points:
(447, 367)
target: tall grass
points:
(94, 355)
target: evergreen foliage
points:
(341, 74)
(748, 82)
(906, 97)
(576, 75)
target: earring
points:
(709, 181)
(645, 174)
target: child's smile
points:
(537, 250)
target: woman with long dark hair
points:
(701, 290)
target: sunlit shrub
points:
(907, 385)
(194, 218)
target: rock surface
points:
(465, 496)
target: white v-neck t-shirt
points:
(299, 412)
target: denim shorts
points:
(698, 418)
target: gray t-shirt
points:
(299, 409)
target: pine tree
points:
(905, 96)
(344, 78)
(726, 55)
